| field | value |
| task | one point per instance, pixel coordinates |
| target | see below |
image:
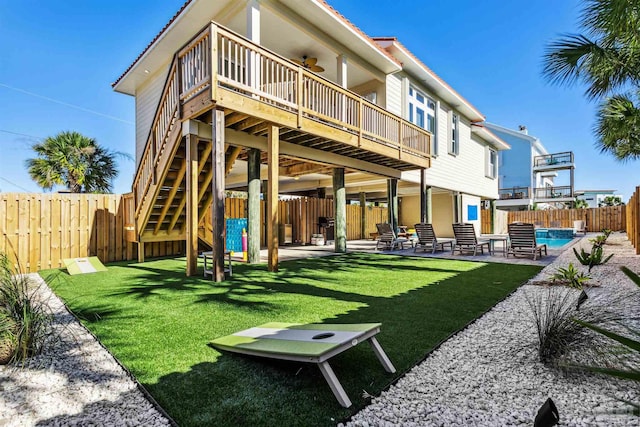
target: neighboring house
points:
(529, 173)
(289, 92)
(595, 198)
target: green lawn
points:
(158, 323)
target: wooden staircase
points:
(159, 197)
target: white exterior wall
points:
(394, 94)
(147, 99)
(474, 202)
(464, 172)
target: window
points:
(492, 163)
(422, 112)
(454, 143)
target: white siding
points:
(147, 98)
(394, 94)
(465, 172)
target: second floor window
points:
(492, 163)
(422, 112)
(454, 142)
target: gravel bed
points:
(75, 381)
(489, 374)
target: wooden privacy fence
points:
(633, 220)
(38, 231)
(596, 219)
(302, 214)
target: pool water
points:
(552, 243)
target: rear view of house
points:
(291, 95)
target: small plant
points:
(24, 320)
(570, 276)
(599, 240)
(552, 312)
(595, 257)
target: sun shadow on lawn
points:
(217, 388)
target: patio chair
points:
(522, 240)
(466, 240)
(427, 239)
(387, 237)
(579, 227)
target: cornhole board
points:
(311, 343)
(83, 265)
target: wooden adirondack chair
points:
(427, 239)
(466, 240)
(522, 240)
(387, 237)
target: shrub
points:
(570, 276)
(595, 257)
(24, 319)
(562, 338)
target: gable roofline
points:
(153, 41)
(419, 69)
(369, 41)
(486, 134)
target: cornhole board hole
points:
(83, 265)
(310, 343)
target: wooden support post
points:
(423, 196)
(493, 216)
(217, 191)
(340, 206)
(392, 199)
(429, 202)
(192, 204)
(140, 251)
(253, 207)
(363, 215)
(273, 150)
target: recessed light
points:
(146, 71)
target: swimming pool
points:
(552, 243)
(554, 238)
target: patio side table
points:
(492, 244)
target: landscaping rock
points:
(74, 381)
(489, 374)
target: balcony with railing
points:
(514, 193)
(553, 161)
(554, 194)
(244, 77)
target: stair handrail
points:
(166, 113)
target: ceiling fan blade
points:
(316, 68)
(297, 61)
(311, 62)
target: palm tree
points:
(607, 60)
(75, 161)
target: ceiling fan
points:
(309, 64)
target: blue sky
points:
(489, 51)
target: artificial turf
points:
(158, 323)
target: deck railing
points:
(553, 192)
(514, 193)
(256, 72)
(555, 159)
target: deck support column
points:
(392, 202)
(340, 206)
(192, 204)
(253, 207)
(217, 191)
(363, 215)
(493, 216)
(425, 199)
(273, 150)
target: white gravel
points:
(75, 381)
(489, 374)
